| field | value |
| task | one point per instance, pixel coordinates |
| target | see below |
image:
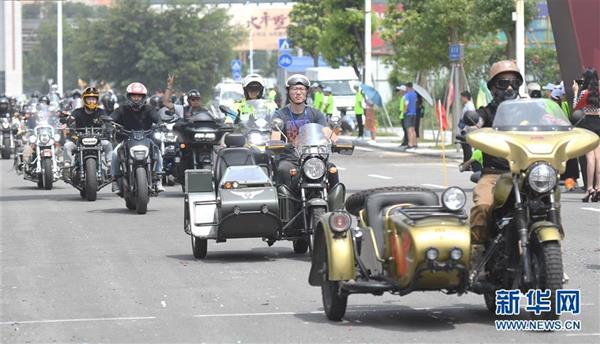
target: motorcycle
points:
(7, 144)
(315, 192)
(524, 252)
(42, 167)
(89, 172)
(169, 146)
(137, 166)
(407, 239)
(198, 137)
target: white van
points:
(226, 93)
(341, 81)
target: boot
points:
(477, 251)
(159, 186)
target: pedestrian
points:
(410, 115)
(401, 91)
(589, 101)
(317, 96)
(467, 101)
(371, 121)
(328, 101)
(359, 110)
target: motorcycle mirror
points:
(277, 124)
(577, 116)
(227, 110)
(106, 118)
(471, 118)
(335, 122)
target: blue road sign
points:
(285, 60)
(237, 75)
(283, 44)
(455, 52)
(236, 65)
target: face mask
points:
(502, 95)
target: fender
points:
(546, 231)
(339, 251)
(316, 202)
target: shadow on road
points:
(43, 195)
(405, 319)
(118, 211)
(246, 256)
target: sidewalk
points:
(392, 144)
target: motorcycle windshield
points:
(257, 114)
(245, 175)
(311, 134)
(202, 116)
(530, 115)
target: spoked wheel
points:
(548, 271)
(199, 247)
(334, 302)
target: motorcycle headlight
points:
(542, 178)
(56, 137)
(256, 139)
(139, 152)
(170, 137)
(5, 125)
(314, 168)
(45, 139)
(32, 139)
(205, 136)
(158, 136)
(454, 198)
(89, 141)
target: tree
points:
(306, 26)
(137, 43)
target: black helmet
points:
(193, 93)
(155, 101)
(4, 104)
(45, 99)
(297, 79)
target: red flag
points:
(450, 97)
(441, 116)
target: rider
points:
(294, 115)
(254, 88)
(4, 107)
(504, 82)
(193, 98)
(135, 115)
(90, 115)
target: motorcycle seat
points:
(235, 156)
(377, 204)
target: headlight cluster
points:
(542, 178)
(139, 152)
(315, 149)
(45, 139)
(454, 198)
(170, 137)
(205, 136)
(314, 168)
(5, 125)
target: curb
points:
(436, 154)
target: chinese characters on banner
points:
(267, 25)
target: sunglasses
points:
(194, 99)
(503, 84)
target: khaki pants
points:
(480, 213)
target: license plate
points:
(47, 153)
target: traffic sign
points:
(455, 52)
(283, 44)
(285, 60)
(237, 75)
(236, 65)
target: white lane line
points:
(379, 176)
(582, 334)
(434, 186)
(73, 320)
(341, 168)
(233, 315)
(592, 209)
(363, 149)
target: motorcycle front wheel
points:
(6, 149)
(142, 196)
(548, 271)
(91, 179)
(47, 175)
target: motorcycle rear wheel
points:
(91, 180)
(199, 247)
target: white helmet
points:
(254, 80)
(136, 88)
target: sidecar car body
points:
(405, 241)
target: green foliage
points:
(542, 65)
(306, 26)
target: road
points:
(77, 271)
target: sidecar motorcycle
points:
(406, 240)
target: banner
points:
(441, 116)
(267, 25)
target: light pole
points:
(367, 76)
(520, 39)
(59, 47)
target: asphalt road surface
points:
(77, 271)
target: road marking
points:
(434, 186)
(341, 168)
(583, 334)
(73, 320)
(363, 149)
(592, 209)
(378, 176)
